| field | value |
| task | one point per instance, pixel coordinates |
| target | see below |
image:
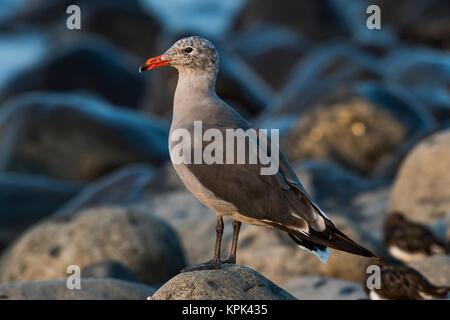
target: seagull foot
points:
(210, 265)
(228, 261)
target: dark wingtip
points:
(336, 239)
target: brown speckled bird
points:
(400, 282)
(236, 190)
(408, 241)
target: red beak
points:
(153, 63)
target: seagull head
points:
(191, 53)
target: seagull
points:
(408, 241)
(400, 282)
(239, 190)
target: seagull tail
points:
(336, 239)
(318, 250)
(317, 242)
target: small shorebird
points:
(408, 241)
(400, 282)
(236, 190)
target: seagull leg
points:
(236, 228)
(215, 263)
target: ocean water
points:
(209, 17)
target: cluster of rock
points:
(85, 177)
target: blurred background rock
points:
(84, 172)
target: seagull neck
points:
(194, 85)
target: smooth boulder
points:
(231, 282)
(108, 269)
(312, 18)
(324, 181)
(421, 188)
(345, 129)
(78, 138)
(137, 239)
(26, 199)
(94, 66)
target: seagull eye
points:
(188, 50)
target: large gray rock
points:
(421, 188)
(91, 289)
(323, 70)
(229, 283)
(121, 187)
(435, 268)
(26, 199)
(324, 180)
(95, 66)
(372, 207)
(124, 25)
(424, 73)
(345, 127)
(421, 21)
(108, 269)
(311, 18)
(74, 137)
(319, 288)
(137, 239)
(126, 186)
(260, 44)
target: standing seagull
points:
(239, 191)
